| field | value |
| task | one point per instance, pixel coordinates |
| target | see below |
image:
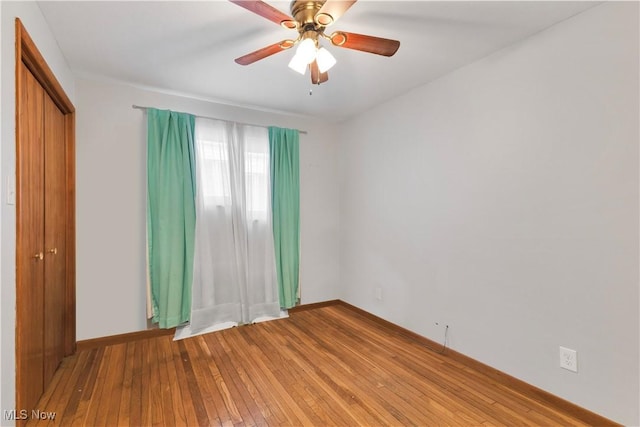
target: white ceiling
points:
(189, 47)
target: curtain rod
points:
(138, 107)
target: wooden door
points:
(45, 223)
(54, 237)
(30, 242)
(41, 298)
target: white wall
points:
(502, 200)
(39, 31)
(111, 200)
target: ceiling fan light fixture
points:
(325, 60)
(297, 64)
(310, 18)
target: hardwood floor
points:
(321, 367)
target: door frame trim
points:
(27, 54)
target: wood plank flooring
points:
(321, 367)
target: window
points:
(219, 169)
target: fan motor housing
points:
(304, 11)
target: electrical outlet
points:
(568, 359)
(379, 293)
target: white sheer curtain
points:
(234, 277)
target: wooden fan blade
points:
(377, 45)
(331, 11)
(316, 76)
(266, 11)
(259, 54)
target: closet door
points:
(54, 237)
(30, 295)
(45, 223)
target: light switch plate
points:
(11, 190)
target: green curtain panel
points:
(171, 214)
(285, 203)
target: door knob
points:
(38, 256)
(53, 251)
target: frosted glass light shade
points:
(325, 60)
(297, 64)
(306, 51)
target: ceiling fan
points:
(310, 19)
